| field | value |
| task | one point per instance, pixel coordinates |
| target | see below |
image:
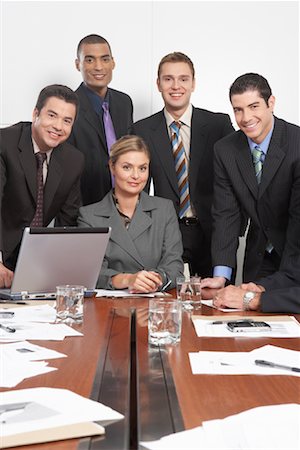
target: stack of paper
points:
(45, 414)
(273, 427)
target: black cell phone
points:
(243, 326)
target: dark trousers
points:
(196, 249)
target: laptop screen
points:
(52, 256)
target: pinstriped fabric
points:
(37, 221)
(181, 170)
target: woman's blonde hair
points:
(127, 144)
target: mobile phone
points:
(247, 326)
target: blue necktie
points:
(257, 155)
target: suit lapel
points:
(27, 160)
(163, 149)
(90, 115)
(275, 155)
(245, 164)
(197, 146)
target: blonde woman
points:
(144, 253)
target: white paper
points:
(211, 305)
(37, 331)
(273, 427)
(280, 329)
(44, 408)
(239, 363)
(125, 293)
(36, 313)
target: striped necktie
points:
(181, 170)
(257, 155)
(38, 220)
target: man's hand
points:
(232, 297)
(213, 283)
(6, 276)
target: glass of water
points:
(189, 292)
(164, 322)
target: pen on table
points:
(262, 362)
(13, 302)
(6, 328)
(164, 288)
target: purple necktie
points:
(38, 220)
(108, 126)
(109, 131)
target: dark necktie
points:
(181, 170)
(38, 221)
(257, 155)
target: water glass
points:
(69, 304)
(189, 292)
(164, 322)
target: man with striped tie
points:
(181, 139)
(257, 174)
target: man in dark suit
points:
(257, 173)
(21, 146)
(199, 130)
(279, 292)
(90, 135)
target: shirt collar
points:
(186, 117)
(95, 99)
(37, 150)
(264, 145)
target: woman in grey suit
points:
(145, 249)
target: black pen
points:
(262, 362)
(8, 329)
(13, 302)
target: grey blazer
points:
(152, 242)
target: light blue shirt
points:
(225, 271)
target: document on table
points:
(36, 313)
(239, 363)
(281, 326)
(273, 427)
(45, 414)
(19, 361)
(36, 331)
(125, 293)
(210, 304)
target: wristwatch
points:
(247, 299)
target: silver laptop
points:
(49, 257)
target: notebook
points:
(49, 257)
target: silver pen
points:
(7, 328)
(262, 362)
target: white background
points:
(223, 38)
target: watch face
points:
(249, 295)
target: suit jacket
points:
(282, 288)
(152, 241)
(88, 136)
(273, 206)
(206, 128)
(19, 186)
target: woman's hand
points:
(139, 282)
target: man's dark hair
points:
(92, 39)
(176, 57)
(58, 91)
(251, 82)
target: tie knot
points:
(175, 126)
(257, 154)
(40, 157)
(105, 106)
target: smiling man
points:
(104, 115)
(181, 139)
(40, 173)
(257, 174)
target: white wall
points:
(224, 39)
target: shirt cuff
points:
(223, 271)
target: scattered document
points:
(240, 363)
(36, 331)
(125, 293)
(273, 427)
(211, 305)
(36, 313)
(39, 410)
(216, 326)
(19, 361)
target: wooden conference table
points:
(152, 387)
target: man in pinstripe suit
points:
(271, 202)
